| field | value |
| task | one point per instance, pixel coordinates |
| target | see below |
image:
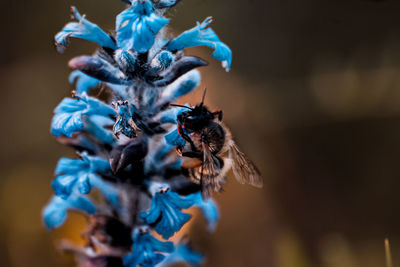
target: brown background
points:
(313, 98)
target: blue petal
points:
(83, 82)
(174, 139)
(83, 29)
(69, 114)
(137, 26)
(182, 86)
(63, 185)
(145, 250)
(171, 115)
(84, 185)
(55, 212)
(78, 173)
(66, 124)
(203, 36)
(165, 209)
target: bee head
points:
(196, 118)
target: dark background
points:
(313, 98)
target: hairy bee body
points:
(210, 151)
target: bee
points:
(207, 141)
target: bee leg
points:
(218, 114)
(179, 150)
(186, 137)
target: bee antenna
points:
(204, 96)
(181, 106)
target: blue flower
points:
(78, 172)
(83, 29)
(145, 250)
(183, 254)
(203, 36)
(165, 211)
(137, 26)
(71, 113)
(124, 123)
(55, 212)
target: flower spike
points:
(146, 157)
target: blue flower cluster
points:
(126, 138)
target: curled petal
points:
(137, 26)
(203, 36)
(83, 29)
(178, 69)
(98, 68)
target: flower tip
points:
(79, 62)
(226, 66)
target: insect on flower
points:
(128, 178)
(208, 139)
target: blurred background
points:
(313, 98)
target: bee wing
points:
(244, 170)
(208, 166)
(210, 170)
